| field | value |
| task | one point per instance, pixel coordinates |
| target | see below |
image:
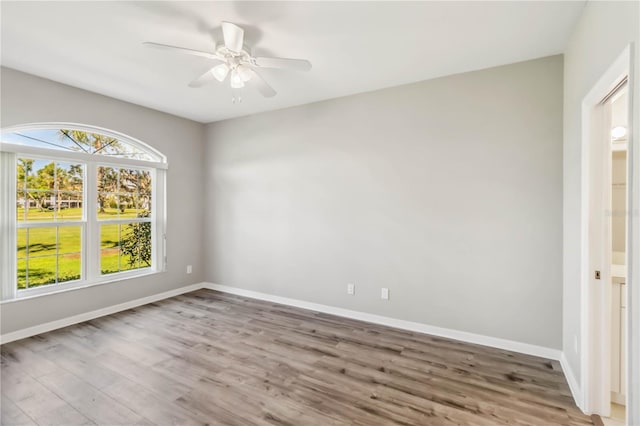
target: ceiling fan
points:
(236, 61)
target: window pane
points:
(125, 247)
(22, 243)
(107, 206)
(22, 273)
(49, 255)
(109, 248)
(123, 193)
(79, 141)
(49, 190)
(41, 251)
(42, 242)
(69, 267)
(69, 206)
(127, 205)
(107, 179)
(144, 182)
(129, 252)
(128, 181)
(21, 201)
(42, 270)
(41, 175)
(69, 239)
(69, 177)
(136, 245)
(23, 166)
(69, 183)
(143, 205)
(40, 206)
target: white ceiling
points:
(354, 46)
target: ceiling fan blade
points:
(233, 36)
(205, 78)
(180, 50)
(283, 63)
(261, 85)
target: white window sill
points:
(77, 285)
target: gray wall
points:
(447, 191)
(28, 99)
(600, 36)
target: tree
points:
(74, 184)
(137, 242)
(39, 186)
(25, 167)
(107, 185)
(93, 143)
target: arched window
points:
(80, 205)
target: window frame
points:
(90, 224)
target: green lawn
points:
(44, 252)
(36, 214)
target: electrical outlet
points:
(385, 293)
(351, 289)
(189, 269)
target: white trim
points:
(45, 290)
(75, 319)
(8, 271)
(479, 339)
(576, 390)
(633, 247)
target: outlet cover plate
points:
(384, 294)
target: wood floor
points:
(212, 358)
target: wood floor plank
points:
(35, 400)
(91, 402)
(148, 404)
(12, 415)
(213, 358)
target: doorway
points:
(606, 243)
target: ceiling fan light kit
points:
(220, 72)
(235, 80)
(237, 62)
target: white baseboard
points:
(64, 322)
(464, 336)
(576, 390)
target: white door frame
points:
(595, 295)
